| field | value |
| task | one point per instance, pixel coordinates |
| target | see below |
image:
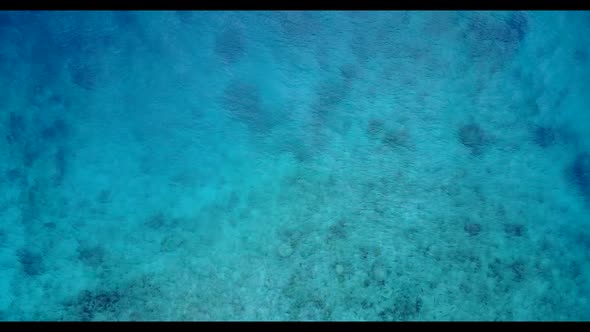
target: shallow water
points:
(295, 166)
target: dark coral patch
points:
(405, 307)
(514, 230)
(57, 130)
(375, 128)
(396, 139)
(473, 137)
(579, 173)
(243, 102)
(88, 303)
(495, 40)
(61, 163)
(544, 136)
(16, 128)
(518, 269)
(85, 74)
(472, 229)
(31, 153)
(91, 255)
(31, 262)
(518, 24)
(230, 44)
(329, 95)
(13, 175)
(511, 30)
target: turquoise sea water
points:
(295, 165)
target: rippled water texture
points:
(294, 165)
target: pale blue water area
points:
(295, 165)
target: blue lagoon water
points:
(295, 165)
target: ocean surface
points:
(320, 165)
